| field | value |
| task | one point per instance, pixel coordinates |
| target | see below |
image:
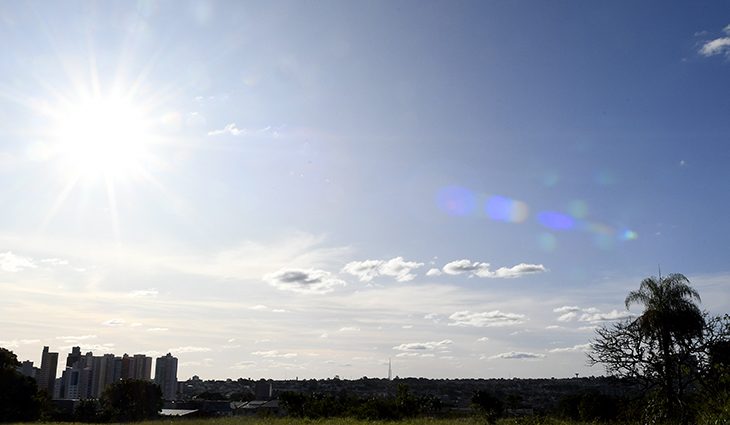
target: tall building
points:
(47, 376)
(73, 357)
(138, 366)
(166, 376)
(103, 368)
(141, 367)
(26, 369)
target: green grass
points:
(343, 421)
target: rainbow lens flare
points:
(456, 200)
(504, 209)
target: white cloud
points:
(518, 355)
(188, 349)
(349, 329)
(157, 330)
(396, 267)
(233, 130)
(567, 317)
(244, 365)
(105, 348)
(579, 347)
(10, 262)
(483, 339)
(482, 269)
(259, 307)
(229, 129)
(567, 309)
(465, 266)
(54, 261)
(434, 272)
(114, 323)
(720, 45)
(604, 317)
(486, 319)
(419, 346)
(522, 269)
(274, 354)
(304, 281)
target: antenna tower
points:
(390, 371)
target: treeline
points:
(320, 405)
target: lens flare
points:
(578, 209)
(456, 200)
(555, 220)
(547, 242)
(504, 209)
(628, 235)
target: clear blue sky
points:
(307, 189)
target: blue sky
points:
(307, 189)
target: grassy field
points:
(345, 421)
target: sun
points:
(105, 137)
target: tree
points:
(488, 405)
(132, 400)
(667, 348)
(670, 317)
(18, 393)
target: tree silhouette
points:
(18, 401)
(132, 400)
(670, 317)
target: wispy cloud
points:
(518, 355)
(114, 323)
(304, 281)
(605, 317)
(579, 347)
(349, 329)
(274, 354)
(188, 349)
(397, 268)
(233, 130)
(717, 46)
(228, 129)
(14, 343)
(487, 319)
(424, 346)
(157, 330)
(589, 314)
(10, 262)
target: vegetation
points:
(18, 394)
(677, 353)
(131, 400)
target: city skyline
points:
(87, 376)
(283, 189)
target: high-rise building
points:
(26, 369)
(47, 376)
(142, 367)
(73, 357)
(166, 376)
(103, 368)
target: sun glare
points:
(105, 137)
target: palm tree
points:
(670, 317)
